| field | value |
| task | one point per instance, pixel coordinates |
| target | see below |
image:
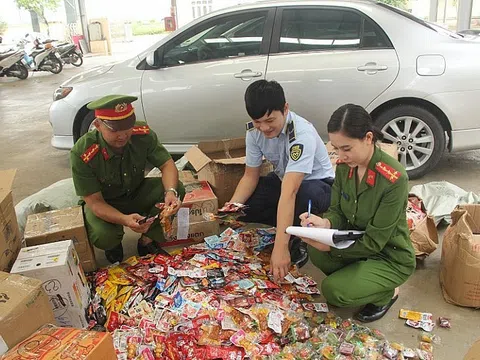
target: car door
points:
(197, 93)
(325, 57)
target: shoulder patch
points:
(371, 175)
(141, 130)
(249, 126)
(296, 152)
(291, 132)
(90, 153)
(388, 172)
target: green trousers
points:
(352, 283)
(106, 236)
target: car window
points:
(222, 38)
(327, 29)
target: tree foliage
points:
(38, 7)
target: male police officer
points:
(303, 170)
(108, 168)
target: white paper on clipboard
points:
(324, 236)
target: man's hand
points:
(280, 261)
(317, 245)
(132, 220)
(314, 221)
(172, 203)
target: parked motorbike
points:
(44, 58)
(70, 54)
(12, 64)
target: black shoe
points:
(150, 248)
(298, 252)
(115, 255)
(372, 312)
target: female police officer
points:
(369, 193)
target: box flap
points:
(6, 182)
(197, 158)
(227, 151)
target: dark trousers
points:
(262, 205)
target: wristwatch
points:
(172, 190)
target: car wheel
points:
(418, 134)
(87, 123)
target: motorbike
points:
(12, 64)
(70, 54)
(44, 58)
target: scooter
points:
(70, 54)
(44, 58)
(12, 64)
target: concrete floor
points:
(25, 145)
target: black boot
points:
(373, 312)
(150, 248)
(115, 255)
(298, 252)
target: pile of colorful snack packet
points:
(216, 300)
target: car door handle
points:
(372, 67)
(247, 73)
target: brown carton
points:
(460, 264)
(24, 308)
(200, 200)
(192, 232)
(10, 241)
(222, 164)
(390, 149)
(52, 343)
(57, 225)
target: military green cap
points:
(115, 111)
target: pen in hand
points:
(309, 211)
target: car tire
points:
(86, 123)
(418, 134)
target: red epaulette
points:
(388, 172)
(90, 153)
(141, 130)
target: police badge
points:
(296, 151)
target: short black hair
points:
(354, 121)
(262, 97)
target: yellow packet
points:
(118, 275)
(106, 289)
(414, 315)
(132, 260)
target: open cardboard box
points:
(10, 241)
(222, 164)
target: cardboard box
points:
(192, 232)
(185, 176)
(52, 343)
(24, 308)
(390, 149)
(10, 241)
(460, 263)
(57, 225)
(222, 164)
(200, 200)
(58, 267)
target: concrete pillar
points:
(71, 11)
(432, 16)
(464, 15)
(82, 10)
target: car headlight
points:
(61, 92)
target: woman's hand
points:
(314, 221)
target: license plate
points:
(58, 56)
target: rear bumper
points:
(465, 140)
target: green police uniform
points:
(368, 271)
(120, 178)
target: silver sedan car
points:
(420, 83)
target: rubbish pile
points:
(216, 300)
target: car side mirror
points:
(153, 60)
